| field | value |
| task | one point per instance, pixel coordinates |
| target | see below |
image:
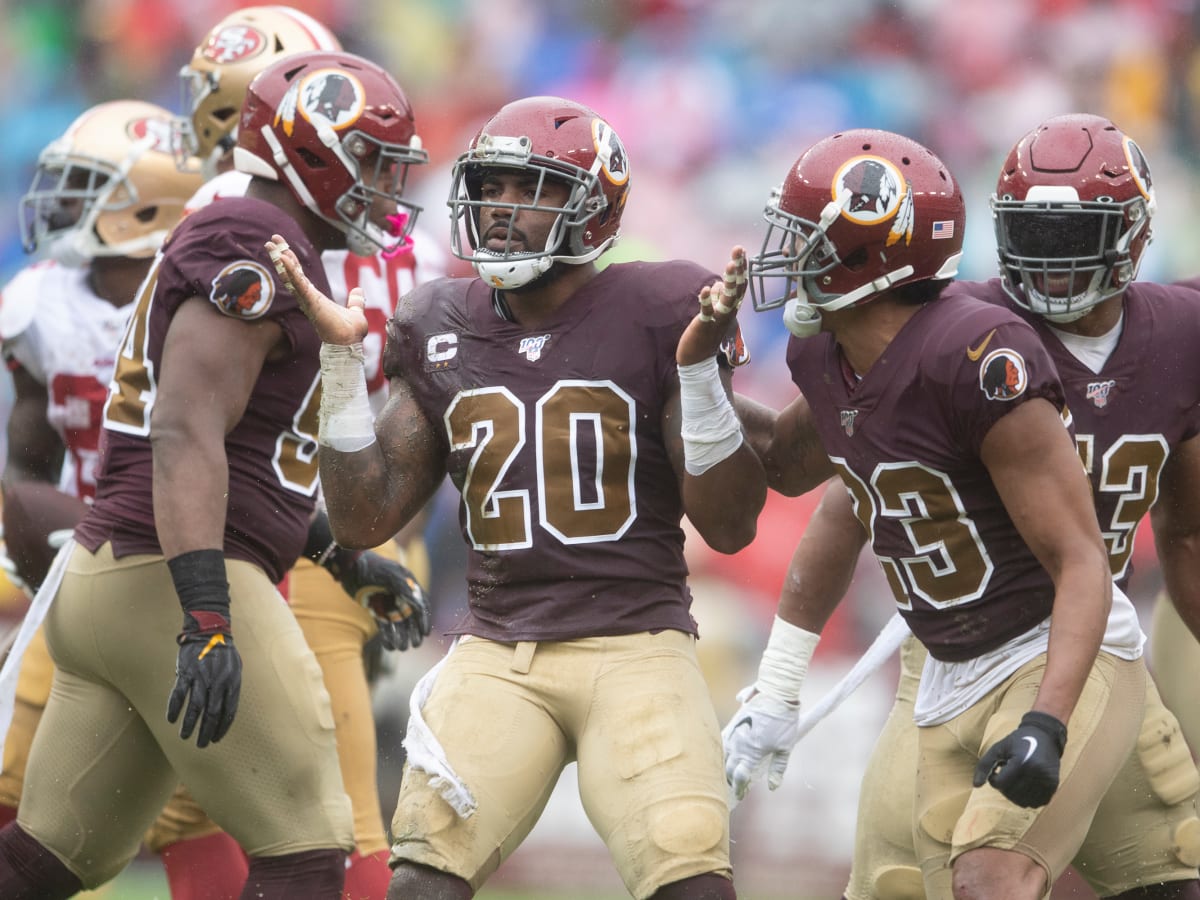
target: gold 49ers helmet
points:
(108, 187)
(214, 82)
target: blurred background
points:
(714, 100)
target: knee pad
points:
(1166, 759)
(688, 828)
(899, 883)
(1185, 842)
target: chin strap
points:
(803, 318)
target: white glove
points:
(759, 737)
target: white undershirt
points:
(1093, 352)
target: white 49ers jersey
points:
(56, 328)
(384, 280)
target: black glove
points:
(1024, 765)
(391, 594)
(208, 670)
(383, 586)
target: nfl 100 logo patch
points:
(1098, 392)
(531, 347)
(847, 417)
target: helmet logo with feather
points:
(614, 161)
(869, 190)
(330, 98)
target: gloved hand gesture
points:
(760, 736)
(1024, 765)
(208, 676)
(392, 595)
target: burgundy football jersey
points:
(1136, 410)
(570, 506)
(906, 439)
(217, 253)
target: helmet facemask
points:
(195, 87)
(796, 250)
(61, 211)
(506, 268)
(380, 174)
(1060, 256)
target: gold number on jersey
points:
(585, 451)
(295, 461)
(949, 564)
(131, 391)
(1130, 469)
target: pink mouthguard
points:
(396, 223)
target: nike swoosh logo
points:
(973, 354)
(1033, 745)
(745, 720)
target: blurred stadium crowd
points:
(712, 98)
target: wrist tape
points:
(200, 582)
(710, 428)
(347, 422)
(784, 663)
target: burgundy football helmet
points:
(551, 138)
(859, 213)
(1072, 215)
(338, 131)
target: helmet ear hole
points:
(856, 259)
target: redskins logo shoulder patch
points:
(1002, 375)
(243, 289)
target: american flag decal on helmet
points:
(943, 229)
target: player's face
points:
(384, 176)
(510, 226)
(68, 208)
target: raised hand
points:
(719, 304)
(335, 324)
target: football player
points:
(546, 389)
(943, 418)
(1072, 212)
(217, 400)
(214, 85)
(104, 197)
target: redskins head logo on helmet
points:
(339, 132)
(107, 187)
(548, 137)
(859, 213)
(1072, 214)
